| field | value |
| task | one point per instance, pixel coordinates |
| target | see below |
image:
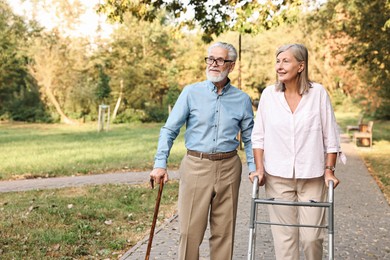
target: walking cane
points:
(154, 217)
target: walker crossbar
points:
(253, 216)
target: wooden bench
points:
(355, 127)
(365, 133)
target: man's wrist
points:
(160, 164)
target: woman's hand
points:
(260, 174)
(329, 176)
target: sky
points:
(89, 20)
(87, 27)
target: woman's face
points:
(287, 67)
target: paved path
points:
(362, 220)
(362, 215)
(74, 181)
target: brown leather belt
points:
(212, 156)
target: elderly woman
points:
(295, 143)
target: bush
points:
(20, 111)
(341, 102)
(383, 112)
(130, 115)
(156, 114)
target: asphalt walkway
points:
(362, 215)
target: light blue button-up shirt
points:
(212, 122)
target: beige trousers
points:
(286, 239)
(208, 188)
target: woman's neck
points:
(291, 89)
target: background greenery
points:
(48, 76)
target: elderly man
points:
(214, 112)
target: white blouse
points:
(298, 140)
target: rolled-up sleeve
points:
(331, 134)
(258, 128)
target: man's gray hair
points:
(232, 52)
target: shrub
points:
(156, 114)
(130, 115)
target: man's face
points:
(215, 72)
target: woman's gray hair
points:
(301, 54)
(232, 52)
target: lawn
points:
(42, 150)
(92, 222)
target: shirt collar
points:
(213, 88)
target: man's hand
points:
(260, 175)
(157, 175)
(329, 176)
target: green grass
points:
(95, 222)
(377, 158)
(41, 150)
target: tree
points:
(67, 14)
(19, 95)
(48, 61)
(213, 17)
(142, 56)
(360, 33)
(62, 64)
(103, 89)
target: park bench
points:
(364, 135)
(355, 127)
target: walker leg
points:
(331, 220)
(252, 224)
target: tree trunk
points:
(53, 100)
(239, 81)
(118, 102)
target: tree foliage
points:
(103, 89)
(149, 60)
(214, 17)
(146, 63)
(51, 66)
(19, 96)
(359, 33)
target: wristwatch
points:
(332, 168)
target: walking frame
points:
(253, 217)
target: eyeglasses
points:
(219, 61)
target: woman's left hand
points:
(329, 176)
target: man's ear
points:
(232, 66)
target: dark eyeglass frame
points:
(219, 61)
